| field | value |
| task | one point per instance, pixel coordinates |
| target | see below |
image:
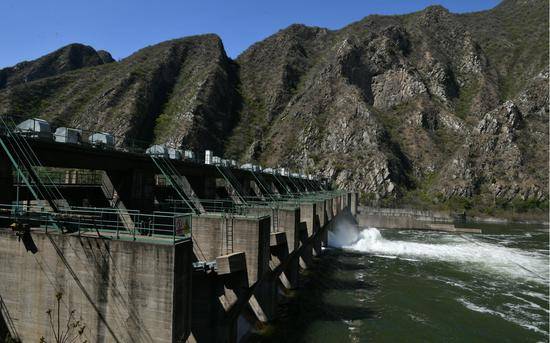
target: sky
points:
(32, 28)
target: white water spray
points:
(466, 251)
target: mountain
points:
(433, 109)
(70, 57)
(180, 91)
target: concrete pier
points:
(289, 223)
(250, 235)
(310, 223)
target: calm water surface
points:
(417, 286)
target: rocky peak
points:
(70, 57)
(432, 15)
(105, 56)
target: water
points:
(418, 286)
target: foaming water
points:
(508, 315)
(383, 285)
(464, 250)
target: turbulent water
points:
(393, 286)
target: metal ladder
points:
(227, 233)
(275, 219)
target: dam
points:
(120, 243)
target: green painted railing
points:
(159, 226)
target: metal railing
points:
(65, 177)
(160, 226)
(228, 206)
(178, 183)
(25, 163)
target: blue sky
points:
(32, 28)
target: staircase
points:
(116, 203)
(233, 186)
(179, 183)
(25, 162)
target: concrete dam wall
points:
(120, 246)
(147, 290)
(123, 291)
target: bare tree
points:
(70, 332)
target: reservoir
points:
(404, 285)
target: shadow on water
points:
(308, 304)
(346, 266)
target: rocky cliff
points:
(70, 57)
(430, 108)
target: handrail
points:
(22, 153)
(104, 221)
(30, 161)
(261, 184)
(233, 184)
(181, 193)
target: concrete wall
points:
(289, 222)
(182, 291)
(250, 235)
(308, 215)
(207, 237)
(141, 292)
(335, 206)
(5, 330)
(309, 224)
(390, 218)
(328, 209)
(388, 222)
(124, 291)
(320, 212)
(213, 297)
(262, 211)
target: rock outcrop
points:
(428, 106)
(70, 57)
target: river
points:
(418, 286)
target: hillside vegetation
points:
(431, 109)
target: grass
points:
(465, 97)
(253, 114)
